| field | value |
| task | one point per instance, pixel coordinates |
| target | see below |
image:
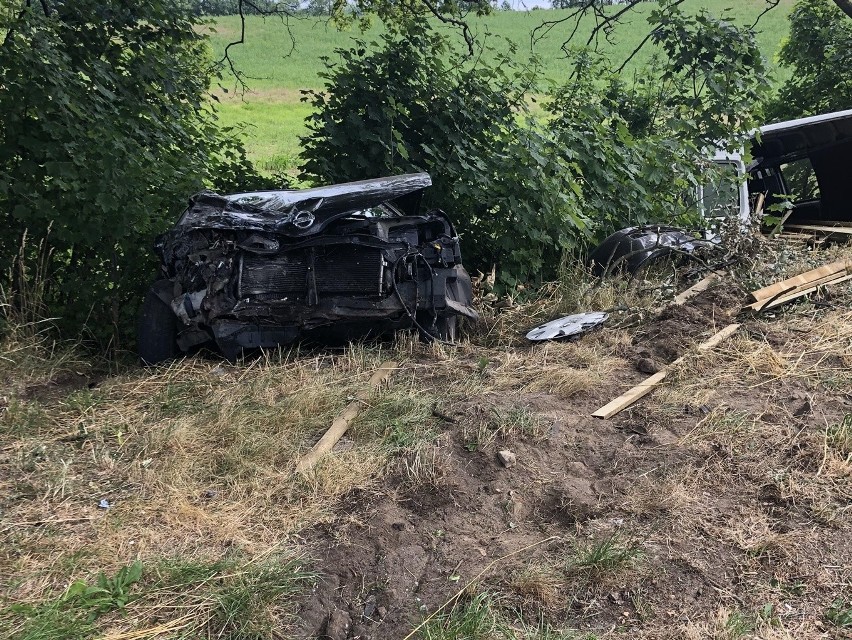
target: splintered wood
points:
(802, 284)
(644, 388)
(342, 422)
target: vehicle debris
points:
(568, 326)
(330, 264)
(799, 167)
(342, 422)
(634, 248)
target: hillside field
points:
(282, 59)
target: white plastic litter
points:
(568, 326)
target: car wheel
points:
(156, 331)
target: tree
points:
(524, 192)
(413, 104)
(107, 128)
(819, 53)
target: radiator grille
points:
(338, 269)
(285, 275)
(348, 269)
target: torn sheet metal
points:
(568, 326)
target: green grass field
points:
(279, 66)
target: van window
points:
(721, 196)
(801, 180)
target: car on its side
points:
(328, 264)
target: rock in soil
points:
(338, 625)
(647, 365)
(507, 458)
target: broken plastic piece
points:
(568, 326)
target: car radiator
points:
(338, 269)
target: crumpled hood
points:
(302, 212)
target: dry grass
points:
(195, 449)
(747, 497)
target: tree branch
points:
(771, 4)
(226, 59)
(461, 24)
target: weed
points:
(515, 422)
(840, 614)
(613, 553)
(402, 418)
(426, 467)
(839, 437)
(232, 598)
(23, 419)
(737, 625)
(473, 619)
(540, 588)
(72, 615)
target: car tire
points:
(156, 330)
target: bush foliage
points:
(106, 130)
(523, 190)
(819, 52)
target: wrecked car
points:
(799, 166)
(328, 264)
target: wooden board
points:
(780, 224)
(820, 228)
(694, 290)
(716, 338)
(649, 384)
(761, 305)
(805, 279)
(825, 223)
(341, 423)
(629, 397)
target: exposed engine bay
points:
(335, 264)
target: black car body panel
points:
(633, 248)
(333, 263)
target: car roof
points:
(794, 139)
(301, 212)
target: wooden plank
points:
(780, 224)
(803, 279)
(762, 305)
(341, 423)
(820, 228)
(826, 223)
(649, 384)
(629, 397)
(698, 287)
(716, 338)
(761, 200)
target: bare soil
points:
(720, 526)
